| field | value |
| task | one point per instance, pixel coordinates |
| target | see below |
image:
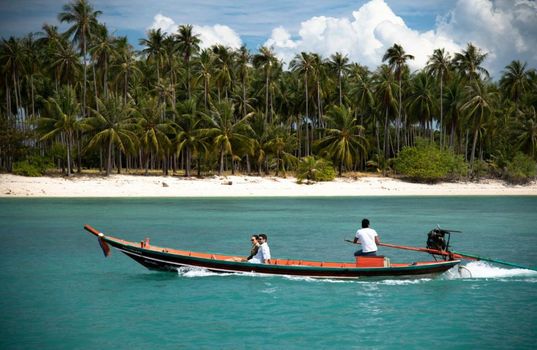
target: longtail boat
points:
(166, 259)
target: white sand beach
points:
(241, 186)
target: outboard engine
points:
(436, 239)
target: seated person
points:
(263, 252)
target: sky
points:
(361, 29)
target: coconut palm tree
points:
(83, 18)
(468, 63)
(385, 89)
(397, 57)
(265, 60)
(62, 117)
(113, 124)
(243, 61)
(227, 134)
(439, 66)
(204, 70)
(152, 129)
(421, 101)
(66, 64)
(12, 63)
(527, 131)
(339, 64)
(304, 64)
(343, 141)
(224, 61)
(515, 81)
(102, 52)
(154, 48)
(189, 136)
(188, 46)
(479, 106)
(281, 145)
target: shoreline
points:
(13, 186)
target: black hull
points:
(162, 261)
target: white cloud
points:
(209, 35)
(165, 24)
(218, 34)
(506, 30)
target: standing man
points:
(263, 252)
(368, 238)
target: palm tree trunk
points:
(69, 138)
(339, 83)
(221, 169)
(188, 156)
(109, 163)
(95, 87)
(441, 113)
(474, 144)
(307, 151)
(266, 95)
(85, 77)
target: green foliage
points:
(33, 167)
(522, 169)
(312, 169)
(427, 163)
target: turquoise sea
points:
(57, 291)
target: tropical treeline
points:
(85, 98)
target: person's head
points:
(365, 223)
(254, 239)
(262, 238)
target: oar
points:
(456, 255)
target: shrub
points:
(312, 169)
(33, 166)
(427, 163)
(520, 170)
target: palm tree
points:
(479, 106)
(115, 124)
(385, 88)
(243, 60)
(62, 117)
(340, 66)
(126, 66)
(12, 63)
(83, 18)
(527, 131)
(421, 101)
(343, 141)
(282, 145)
(102, 52)
(224, 69)
(439, 65)
(204, 70)
(303, 64)
(227, 134)
(66, 64)
(397, 57)
(454, 99)
(189, 137)
(469, 61)
(155, 50)
(265, 59)
(188, 45)
(153, 130)
(515, 81)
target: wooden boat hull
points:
(164, 259)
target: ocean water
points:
(57, 291)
